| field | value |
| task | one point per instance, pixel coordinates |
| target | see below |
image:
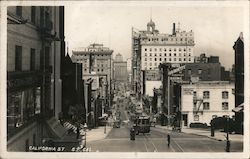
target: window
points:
(155, 49)
(206, 106)
(174, 54)
(206, 94)
(150, 64)
(22, 107)
(18, 58)
(150, 54)
(33, 14)
(179, 49)
(199, 71)
(224, 95)
(145, 59)
(150, 59)
(225, 106)
(170, 54)
(174, 59)
(165, 49)
(160, 54)
(169, 49)
(196, 117)
(145, 54)
(19, 11)
(155, 64)
(155, 59)
(174, 49)
(32, 59)
(184, 59)
(184, 50)
(150, 49)
(145, 49)
(179, 59)
(165, 54)
(160, 59)
(165, 59)
(170, 59)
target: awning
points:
(239, 108)
(56, 128)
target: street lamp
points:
(105, 125)
(227, 137)
(85, 134)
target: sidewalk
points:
(220, 136)
(97, 133)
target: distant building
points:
(118, 57)
(151, 48)
(97, 64)
(239, 80)
(120, 69)
(205, 100)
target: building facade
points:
(95, 58)
(239, 81)
(120, 69)
(35, 45)
(151, 48)
(205, 100)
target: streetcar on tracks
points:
(142, 124)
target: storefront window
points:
(22, 106)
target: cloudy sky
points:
(216, 26)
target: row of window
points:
(165, 49)
(18, 58)
(101, 65)
(167, 39)
(98, 70)
(33, 14)
(206, 106)
(168, 59)
(89, 55)
(206, 94)
(174, 54)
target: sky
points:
(216, 27)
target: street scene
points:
(124, 78)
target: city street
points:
(118, 140)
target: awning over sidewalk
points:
(239, 108)
(56, 128)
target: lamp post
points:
(85, 134)
(227, 137)
(105, 125)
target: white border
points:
(3, 65)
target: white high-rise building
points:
(157, 48)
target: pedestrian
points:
(168, 140)
(77, 132)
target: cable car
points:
(142, 124)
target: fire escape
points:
(197, 102)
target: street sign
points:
(177, 70)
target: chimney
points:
(173, 28)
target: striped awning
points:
(239, 108)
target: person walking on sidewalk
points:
(77, 132)
(168, 140)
